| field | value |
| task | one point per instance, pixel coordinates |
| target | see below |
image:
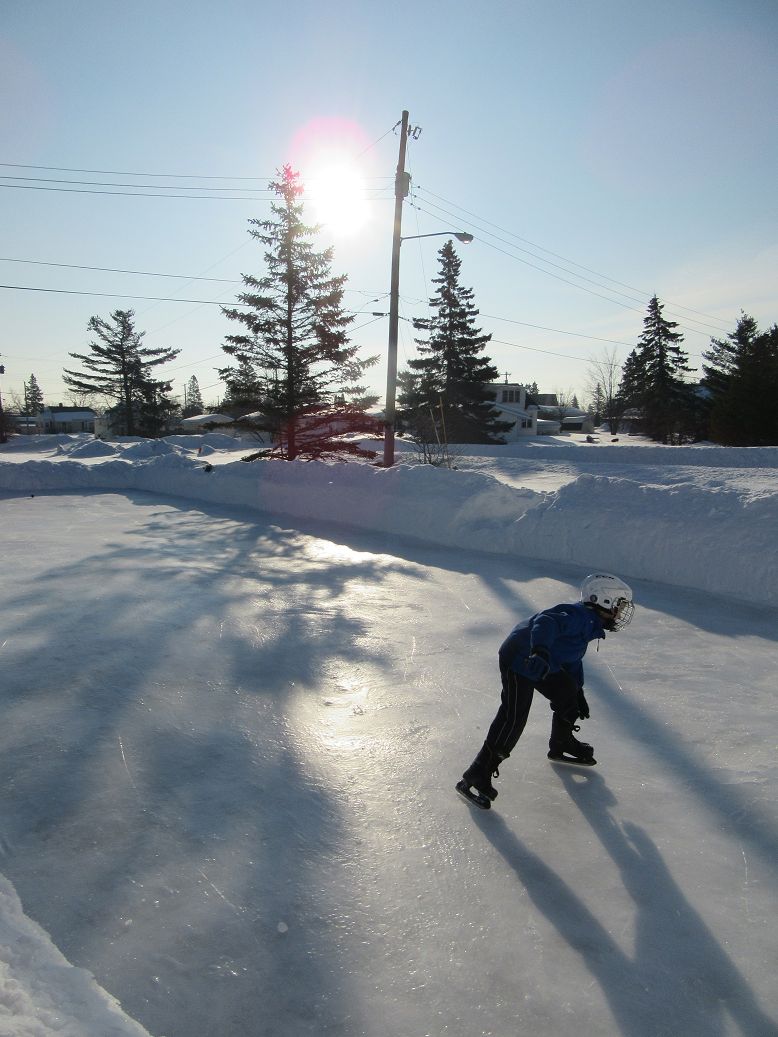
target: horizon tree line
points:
(296, 375)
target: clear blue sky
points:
(637, 140)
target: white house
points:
(511, 401)
(66, 419)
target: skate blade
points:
(572, 760)
(476, 798)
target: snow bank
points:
(41, 993)
(706, 455)
(713, 539)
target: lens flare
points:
(330, 156)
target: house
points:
(66, 419)
(578, 423)
(510, 399)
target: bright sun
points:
(337, 194)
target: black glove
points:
(537, 666)
(583, 705)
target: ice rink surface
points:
(229, 745)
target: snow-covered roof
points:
(202, 419)
(82, 413)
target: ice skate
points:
(564, 747)
(478, 777)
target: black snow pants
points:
(559, 688)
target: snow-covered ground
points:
(230, 738)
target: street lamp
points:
(401, 188)
(460, 235)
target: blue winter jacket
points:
(563, 631)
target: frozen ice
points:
(220, 716)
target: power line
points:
(113, 295)
(570, 262)
(558, 267)
(149, 298)
(115, 270)
(164, 193)
(548, 352)
(102, 183)
(168, 176)
(566, 356)
(142, 194)
(581, 287)
(114, 172)
(557, 331)
(177, 187)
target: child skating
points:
(544, 652)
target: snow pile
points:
(149, 448)
(41, 993)
(94, 448)
(710, 538)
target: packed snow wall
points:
(710, 538)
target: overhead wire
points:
(114, 295)
(116, 270)
(570, 262)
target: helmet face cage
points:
(623, 611)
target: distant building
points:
(27, 426)
(510, 399)
(66, 419)
(578, 423)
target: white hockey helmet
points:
(610, 595)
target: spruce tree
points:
(194, 400)
(451, 367)
(294, 333)
(652, 376)
(724, 355)
(743, 377)
(120, 368)
(33, 397)
(244, 387)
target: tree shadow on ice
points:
(679, 980)
(160, 816)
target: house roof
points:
(203, 419)
(68, 412)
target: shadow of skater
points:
(679, 980)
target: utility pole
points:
(401, 187)
(3, 437)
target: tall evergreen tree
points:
(194, 400)
(451, 366)
(120, 368)
(724, 355)
(652, 376)
(295, 326)
(742, 375)
(33, 397)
